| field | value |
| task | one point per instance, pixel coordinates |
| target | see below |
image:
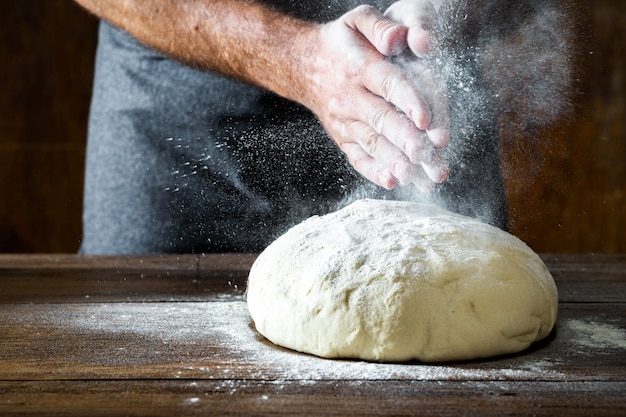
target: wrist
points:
(300, 64)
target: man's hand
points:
(390, 128)
(417, 16)
(390, 120)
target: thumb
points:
(389, 38)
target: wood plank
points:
(122, 264)
(76, 279)
(589, 278)
(216, 340)
(311, 398)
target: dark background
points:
(566, 189)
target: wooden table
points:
(171, 336)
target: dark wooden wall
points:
(567, 190)
(46, 56)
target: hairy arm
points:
(339, 70)
(241, 39)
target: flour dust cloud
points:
(495, 58)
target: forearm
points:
(241, 39)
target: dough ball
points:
(396, 281)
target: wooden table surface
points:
(171, 336)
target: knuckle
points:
(358, 162)
(334, 107)
(380, 118)
(357, 158)
(388, 86)
(369, 142)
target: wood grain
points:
(216, 339)
(171, 335)
(312, 398)
(47, 51)
(566, 184)
(74, 278)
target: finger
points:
(387, 121)
(435, 167)
(382, 150)
(439, 137)
(388, 81)
(367, 166)
(422, 182)
(419, 40)
(411, 13)
(439, 129)
(377, 159)
(389, 38)
(432, 92)
(417, 146)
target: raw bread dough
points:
(396, 281)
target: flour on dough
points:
(396, 281)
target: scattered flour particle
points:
(194, 400)
(598, 336)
